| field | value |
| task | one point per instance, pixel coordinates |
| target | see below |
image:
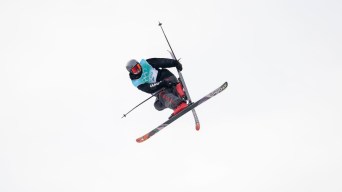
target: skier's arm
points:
(164, 63)
(151, 87)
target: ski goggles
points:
(136, 69)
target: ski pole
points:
(154, 94)
(173, 53)
(182, 81)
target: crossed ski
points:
(190, 107)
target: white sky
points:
(64, 88)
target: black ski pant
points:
(168, 98)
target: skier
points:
(151, 75)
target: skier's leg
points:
(178, 86)
(180, 91)
(159, 105)
(172, 79)
(181, 95)
(169, 99)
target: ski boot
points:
(180, 91)
(179, 108)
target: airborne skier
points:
(151, 76)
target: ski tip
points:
(198, 126)
(142, 139)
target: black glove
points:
(179, 65)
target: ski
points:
(190, 107)
(187, 94)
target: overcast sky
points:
(64, 88)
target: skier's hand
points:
(179, 65)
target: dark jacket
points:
(159, 64)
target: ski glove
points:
(179, 65)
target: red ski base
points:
(198, 126)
